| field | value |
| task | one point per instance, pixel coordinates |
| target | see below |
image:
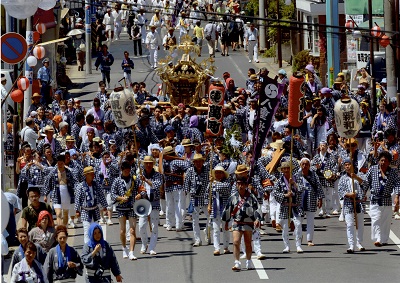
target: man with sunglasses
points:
(243, 208)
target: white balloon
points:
(31, 61)
(47, 4)
(5, 212)
(20, 9)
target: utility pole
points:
(389, 8)
(261, 23)
(88, 37)
(279, 37)
(333, 53)
(28, 69)
(371, 61)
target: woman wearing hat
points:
(43, 233)
(35, 103)
(286, 189)
(151, 183)
(220, 187)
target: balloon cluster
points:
(20, 9)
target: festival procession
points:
(156, 141)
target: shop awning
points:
(64, 12)
(53, 41)
(360, 7)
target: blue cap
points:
(169, 128)
(72, 152)
(58, 91)
(347, 160)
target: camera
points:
(99, 272)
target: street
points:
(178, 261)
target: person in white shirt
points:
(142, 23)
(168, 11)
(251, 36)
(210, 34)
(28, 133)
(117, 14)
(156, 21)
(183, 25)
(195, 14)
(153, 43)
(108, 21)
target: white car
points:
(10, 79)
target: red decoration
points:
(23, 83)
(376, 31)
(349, 25)
(17, 95)
(39, 52)
(216, 98)
(384, 41)
(296, 105)
(41, 28)
(36, 36)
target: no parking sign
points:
(13, 48)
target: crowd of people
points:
(79, 165)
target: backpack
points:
(225, 31)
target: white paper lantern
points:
(123, 107)
(347, 117)
(39, 52)
(47, 4)
(21, 9)
(23, 83)
(31, 61)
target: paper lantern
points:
(17, 95)
(349, 25)
(123, 107)
(36, 36)
(39, 52)
(357, 34)
(376, 31)
(384, 41)
(41, 28)
(347, 117)
(296, 101)
(31, 61)
(216, 98)
(23, 83)
(21, 9)
(47, 4)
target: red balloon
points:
(349, 25)
(376, 31)
(17, 95)
(384, 41)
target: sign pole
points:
(88, 37)
(28, 69)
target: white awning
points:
(53, 41)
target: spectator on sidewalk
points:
(44, 77)
(127, 65)
(251, 36)
(153, 43)
(104, 61)
(137, 38)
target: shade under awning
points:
(53, 41)
(380, 21)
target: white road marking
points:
(260, 268)
(394, 238)
(238, 69)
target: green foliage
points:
(269, 53)
(234, 152)
(251, 8)
(301, 60)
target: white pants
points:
(174, 200)
(154, 217)
(265, 206)
(350, 229)
(86, 226)
(211, 46)
(196, 221)
(274, 208)
(153, 57)
(117, 29)
(128, 78)
(310, 225)
(253, 50)
(335, 197)
(327, 202)
(216, 223)
(65, 199)
(297, 231)
(255, 243)
(363, 143)
(381, 218)
(163, 205)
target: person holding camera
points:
(99, 258)
(62, 263)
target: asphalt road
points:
(177, 261)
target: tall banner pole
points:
(88, 37)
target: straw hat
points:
(198, 156)
(168, 150)
(99, 140)
(278, 144)
(148, 159)
(186, 142)
(36, 95)
(220, 168)
(70, 138)
(48, 128)
(284, 164)
(253, 77)
(241, 169)
(88, 170)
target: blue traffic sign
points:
(13, 48)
